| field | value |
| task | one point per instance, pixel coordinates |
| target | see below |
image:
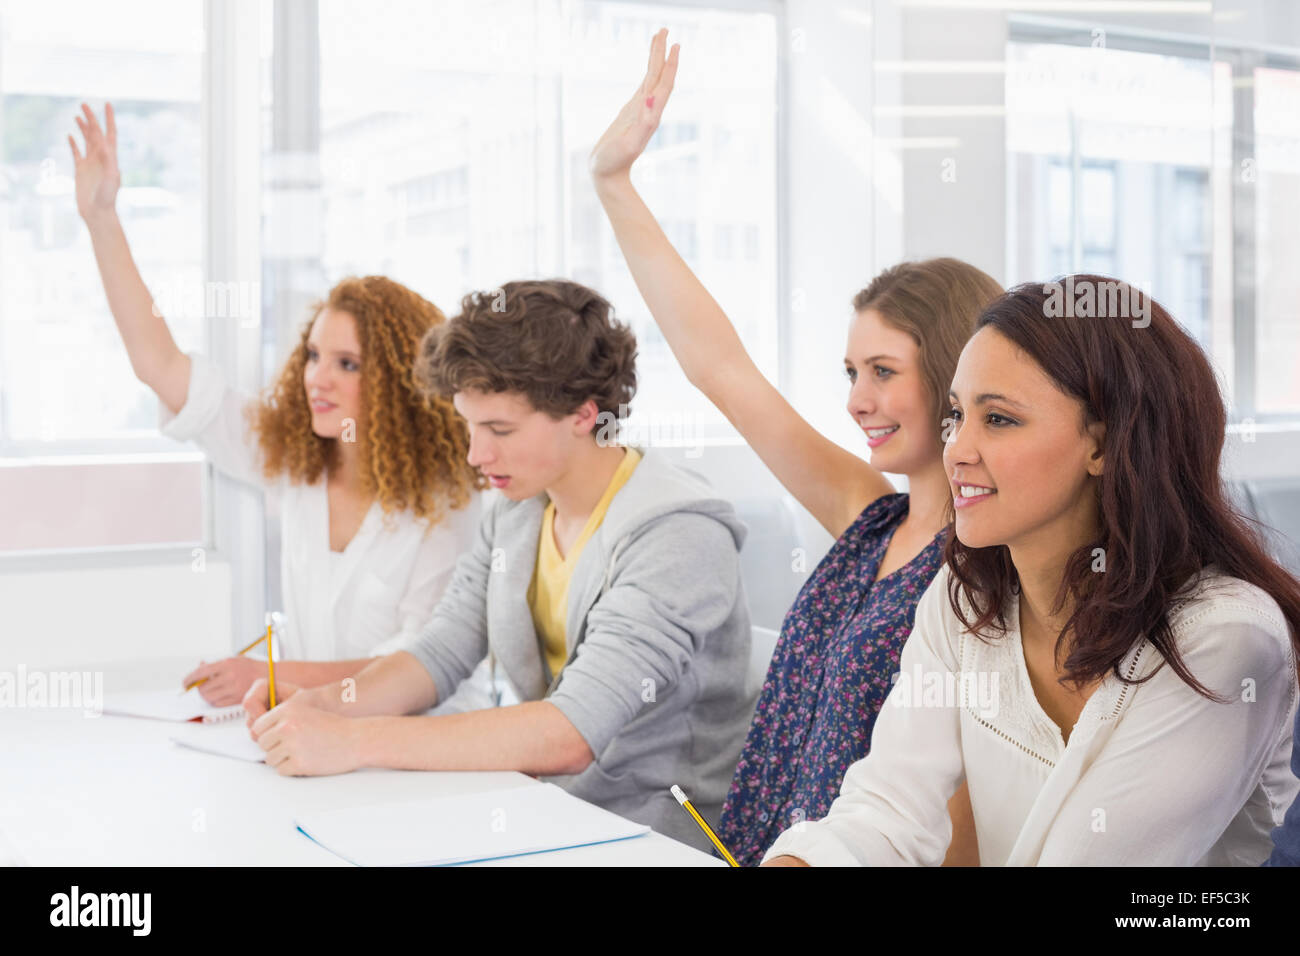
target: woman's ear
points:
(1096, 456)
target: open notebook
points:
(169, 705)
(439, 831)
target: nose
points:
(316, 376)
(479, 449)
(960, 447)
(862, 400)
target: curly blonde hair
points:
(413, 446)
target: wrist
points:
(612, 184)
(363, 731)
(99, 218)
(324, 697)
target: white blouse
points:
(1153, 774)
(369, 599)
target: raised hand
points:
(636, 122)
(97, 175)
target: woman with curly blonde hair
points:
(376, 498)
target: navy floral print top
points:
(832, 667)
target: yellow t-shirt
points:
(548, 594)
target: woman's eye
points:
(499, 434)
(1000, 420)
(350, 365)
(882, 372)
(850, 374)
(954, 414)
(311, 356)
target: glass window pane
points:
(1277, 244)
(1142, 130)
(66, 386)
(454, 146)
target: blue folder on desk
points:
(465, 828)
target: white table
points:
(114, 791)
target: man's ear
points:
(1096, 456)
(585, 417)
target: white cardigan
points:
(1154, 774)
(366, 601)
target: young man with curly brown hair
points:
(604, 584)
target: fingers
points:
(255, 703)
(668, 77)
(218, 692)
(203, 670)
(656, 61)
(658, 96)
(111, 121)
(76, 153)
(270, 735)
(90, 117)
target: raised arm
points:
(833, 484)
(155, 359)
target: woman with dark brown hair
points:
(1108, 659)
(376, 498)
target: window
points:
(1097, 186)
(1213, 183)
(78, 434)
(453, 156)
(1276, 179)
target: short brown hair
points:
(552, 340)
(936, 301)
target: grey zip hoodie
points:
(658, 641)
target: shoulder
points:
(679, 536)
(879, 517)
(656, 469)
(453, 527)
(1214, 598)
(1230, 625)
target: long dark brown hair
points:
(1164, 510)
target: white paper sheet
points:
(168, 705)
(226, 740)
(459, 829)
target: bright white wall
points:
(77, 617)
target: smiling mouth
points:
(881, 432)
(969, 494)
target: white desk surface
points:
(114, 791)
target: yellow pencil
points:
(257, 640)
(708, 831)
(270, 665)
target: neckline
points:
(597, 515)
(1022, 669)
(361, 528)
(916, 557)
